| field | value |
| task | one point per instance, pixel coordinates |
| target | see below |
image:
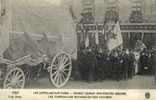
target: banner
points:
(97, 38)
(115, 38)
(87, 41)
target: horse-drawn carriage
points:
(27, 54)
(15, 73)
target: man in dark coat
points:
(82, 65)
(99, 66)
(91, 63)
(114, 65)
(124, 64)
(107, 65)
(121, 66)
(110, 62)
(131, 67)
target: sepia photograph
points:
(78, 44)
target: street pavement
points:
(137, 82)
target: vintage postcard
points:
(78, 49)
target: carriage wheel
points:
(60, 69)
(15, 79)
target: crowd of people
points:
(105, 65)
(146, 62)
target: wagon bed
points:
(59, 67)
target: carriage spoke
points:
(66, 65)
(13, 74)
(19, 85)
(55, 77)
(20, 76)
(63, 78)
(58, 79)
(64, 73)
(66, 60)
(54, 73)
(67, 69)
(20, 81)
(17, 73)
(54, 67)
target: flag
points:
(96, 35)
(105, 36)
(103, 30)
(72, 14)
(87, 41)
(97, 38)
(116, 39)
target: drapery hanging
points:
(5, 25)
